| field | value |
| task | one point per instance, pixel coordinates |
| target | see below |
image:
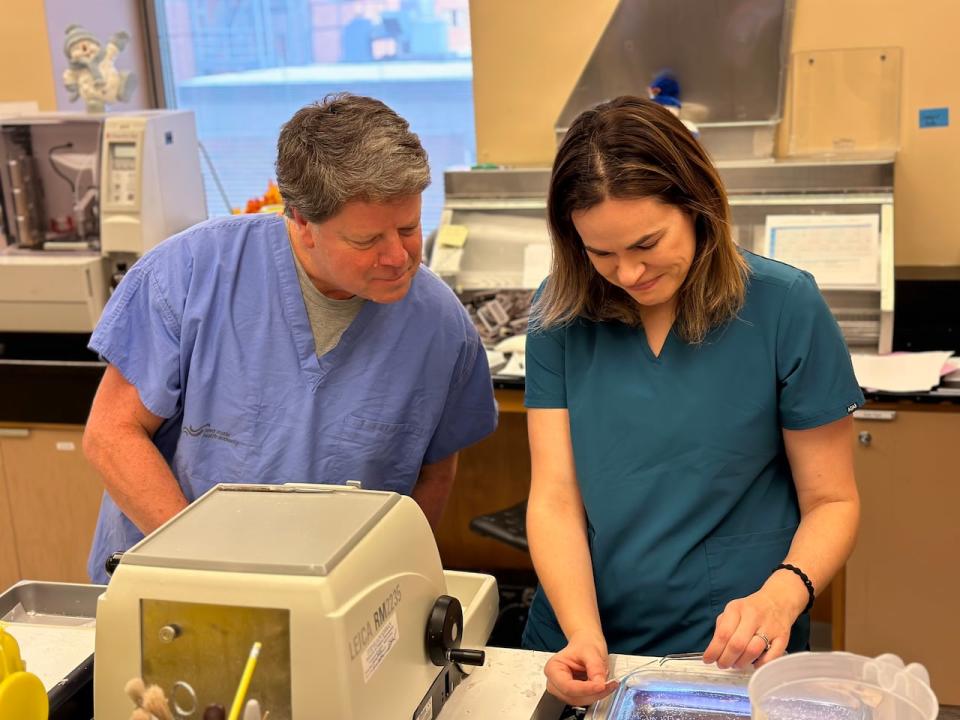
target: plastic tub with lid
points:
(841, 686)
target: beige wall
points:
(24, 54)
(928, 162)
(528, 56)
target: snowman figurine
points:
(92, 74)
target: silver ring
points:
(766, 640)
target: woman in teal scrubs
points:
(688, 410)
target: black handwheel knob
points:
(112, 562)
(444, 629)
(468, 657)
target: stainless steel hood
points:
(728, 55)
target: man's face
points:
(371, 250)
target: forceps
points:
(679, 656)
(660, 662)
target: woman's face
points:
(642, 245)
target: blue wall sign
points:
(934, 117)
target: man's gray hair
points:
(345, 148)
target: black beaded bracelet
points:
(806, 581)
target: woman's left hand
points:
(738, 640)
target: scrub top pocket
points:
(738, 565)
(215, 447)
(381, 455)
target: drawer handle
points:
(14, 432)
(883, 415)
(865, 438)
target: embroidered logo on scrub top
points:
(851, 408)
(207, 432)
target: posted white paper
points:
(900, 372)
(536, 264)
(839, 250)
(446, 260)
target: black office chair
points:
(508, 526)
(516, 589)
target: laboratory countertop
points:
(939, 396)
(39, 391)
(47, 378)
(52, 379)
(511, 686)
(61, 392)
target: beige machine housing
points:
(135, 180)
(337, 583)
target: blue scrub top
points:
(680, 458)
(211, 328)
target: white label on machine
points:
(426, 713)
(380, 647)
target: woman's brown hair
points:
(631, 148)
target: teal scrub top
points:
(680, 459)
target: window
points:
(245, 66)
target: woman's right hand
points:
(578, 673)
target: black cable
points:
(73, 187)
(216, 177)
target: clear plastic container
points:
(659, 694)
(841, 686)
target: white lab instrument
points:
(343, 589)
(83, 196)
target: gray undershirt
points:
(329, 318)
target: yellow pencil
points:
(244, 682)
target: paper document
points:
(495, 360)
(901, 372)
(537, 258)
(452, 235)
(446, 260)
(516, 366)
(15, 108)
(838, 250)
(52, 652)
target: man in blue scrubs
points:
(692, 473)
(312, 347)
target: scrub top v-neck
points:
(680, 458)
(211, 328)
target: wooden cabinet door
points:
(492, 475)
(9, 563)
(54, 497)
(903, 579)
